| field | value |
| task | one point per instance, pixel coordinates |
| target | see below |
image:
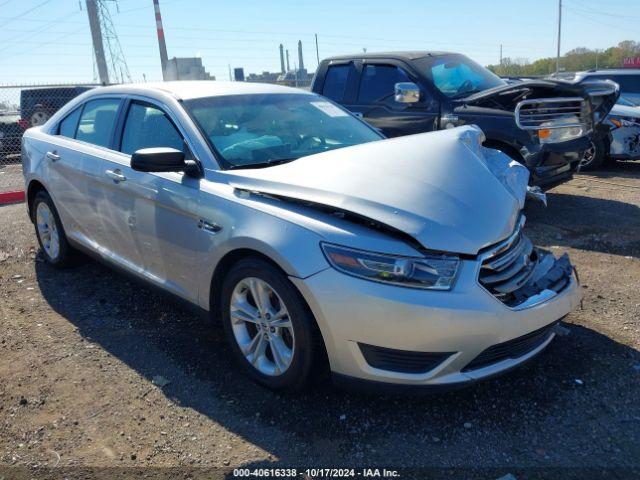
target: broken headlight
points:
(437, 272)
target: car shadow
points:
(520, 415)
(586, 223)
(619, 169)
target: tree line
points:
(578, 59)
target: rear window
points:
(97, 121)
(68, 126)
(628, 83)
(335, 82)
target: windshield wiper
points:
(268, 163)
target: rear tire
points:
(594, 156)
(51, 237)
(273, 337)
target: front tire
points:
(51, 237)
(268, 325)
(594, 156)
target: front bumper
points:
(461, 324)
(554, 163)
(625, 143)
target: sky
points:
(48, 41)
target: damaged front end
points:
(553, 119)
(521, 275)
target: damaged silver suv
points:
(303, 230)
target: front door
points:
(163, 220)
(375, 102)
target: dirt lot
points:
(79, 351)
(10, 176)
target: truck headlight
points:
(559, 134)
(433, 272)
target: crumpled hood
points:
(441, 188)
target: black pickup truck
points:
(544, 124)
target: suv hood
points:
(441, 188)
(602, 94)
(625, 111)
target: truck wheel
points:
(37, 118)
(594, 156)
(268, 325)
(51, 236)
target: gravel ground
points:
(10, 176)
(98, 372)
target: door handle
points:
(115, 175)
(53, 156)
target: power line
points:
(617, 27)
(11, 19)
(580, 7)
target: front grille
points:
(403, 361)
(508, 267)
(537, 113)
(514, 271)
(511, 349)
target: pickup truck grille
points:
(540, 113)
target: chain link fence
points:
(22, 107)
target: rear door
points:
(76, 159)
(374, 100)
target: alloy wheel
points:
(262, 326)
(589, 155)
(47, 230)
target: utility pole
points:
(162, 44)
(96, 37)
(317, 51)
(500, 54)
(559, 35)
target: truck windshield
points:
(457, 76)
(259, 130)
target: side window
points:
(97, 121)
(377, 83)
(147, 126)
(335, 82)
(68, 126)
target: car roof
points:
(185, 90)
(613, 71)
(406, 55)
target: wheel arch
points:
(504, 147)
(33, 188)
(225, 264)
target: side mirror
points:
(407, 92)
(163, 159)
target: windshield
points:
(258, 130)
(626, 102)
(457, 76)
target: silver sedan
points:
(303, 230)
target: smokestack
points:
(164, 59)
(282, 70)
(288, 68)
(300, 61)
